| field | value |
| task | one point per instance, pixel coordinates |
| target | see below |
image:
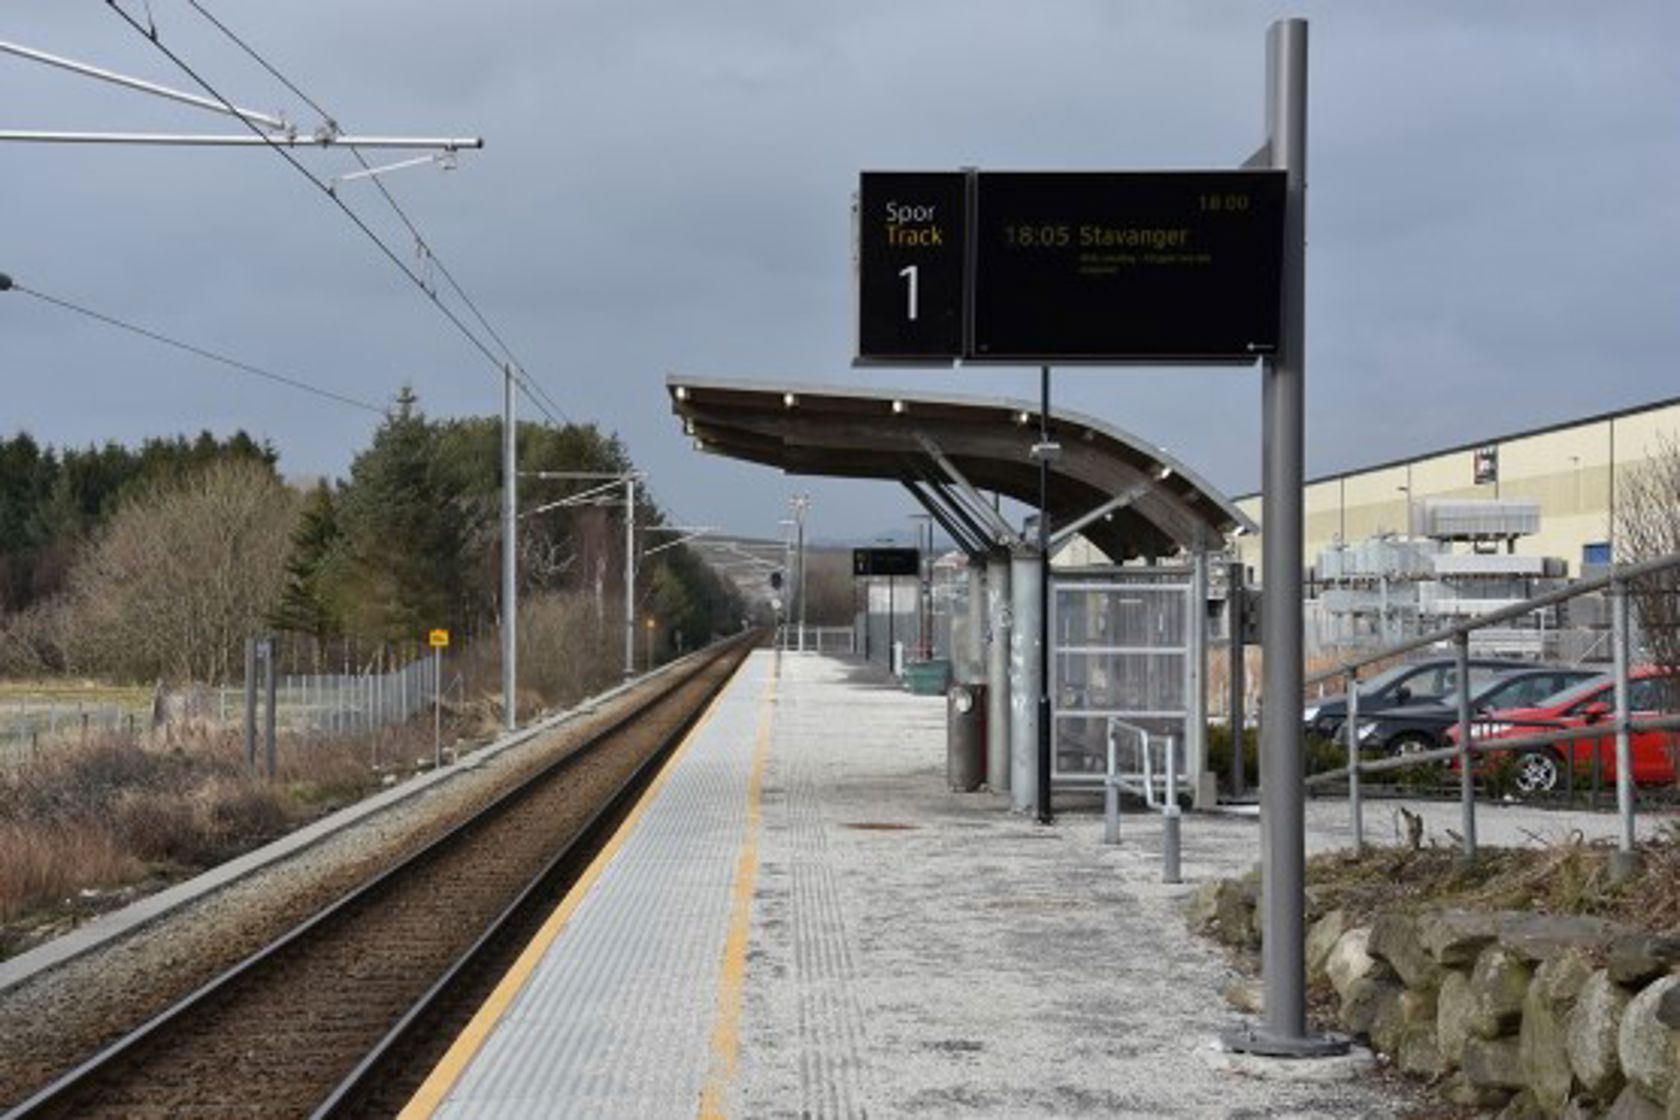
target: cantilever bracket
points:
(1002, 531)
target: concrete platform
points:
(801, 920)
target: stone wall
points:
(1529, 1014)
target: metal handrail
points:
(1497, 746)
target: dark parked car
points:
(1422, 725)
(1403, 684)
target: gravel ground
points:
(53, 1018)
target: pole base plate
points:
(1248, 1039)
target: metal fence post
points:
(271, 651)
(1111, 795)
(1350, 729)
(1466, 774)
(1622, 865)
(251, 703)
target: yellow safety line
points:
(732, 980)
(466, 1046)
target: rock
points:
(1668, 1008)
(1636, 958)
(1493, 1063)
(1454, 1008)
(1349, 960)
(1498, 987)
(1419, 1051)
(1394, 938)
(1321, 939)
(1415, 1007)
(1648, 1049)
(1560, 979)
(1459, 1089)
(1455, 938)
(1542, 1047)
(1540, 937)
(1247, 996)
(1368, 999)
(1593, 1029)
(1523, 1106)
(1631, 1104)
(1221, 910)
(1580, 1108)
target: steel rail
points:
(59, 1092)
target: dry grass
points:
(86, 818)
(1565, 878)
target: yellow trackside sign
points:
(438, 639)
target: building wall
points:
(1571, 471)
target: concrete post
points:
(972, 660)
(1025, 580)
(999, 610)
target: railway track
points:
(345, 1013)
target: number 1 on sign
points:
(909, 273)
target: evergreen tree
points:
(399, 569)
(304, 606)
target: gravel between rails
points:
(52, 1022)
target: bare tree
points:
(1648, 526)
(181, 576)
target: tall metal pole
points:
(510, 554)
(1045, 813)
(1283, 404)
(270, 652)
(1234, 601)
(630, 576)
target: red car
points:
(1539, 769)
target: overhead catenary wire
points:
(521, 377)
(198, 351)
(332, 124)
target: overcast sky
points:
(1493, 218)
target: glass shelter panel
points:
(1120, 653)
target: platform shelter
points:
(1154, 519)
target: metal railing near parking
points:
(1619, 722)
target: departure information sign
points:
(912, 237)
(1070, 266)
(886, 561)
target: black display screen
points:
(1127, 266)
(886, 561)
(911, 239)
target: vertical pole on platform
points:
(1283, 404)
(251, 704)
(1234, 610)
(1045, 730)
(510, 554)
(270, 681)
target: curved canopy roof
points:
(1128, 497)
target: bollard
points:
(1170, 872)
(1111, 796)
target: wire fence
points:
(308, 704)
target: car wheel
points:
(1411, 743)
(1537, 771)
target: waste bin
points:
(928, 678)
(965, 737)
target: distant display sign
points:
(1070, 266)
(886, 562)
(1485, 463)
